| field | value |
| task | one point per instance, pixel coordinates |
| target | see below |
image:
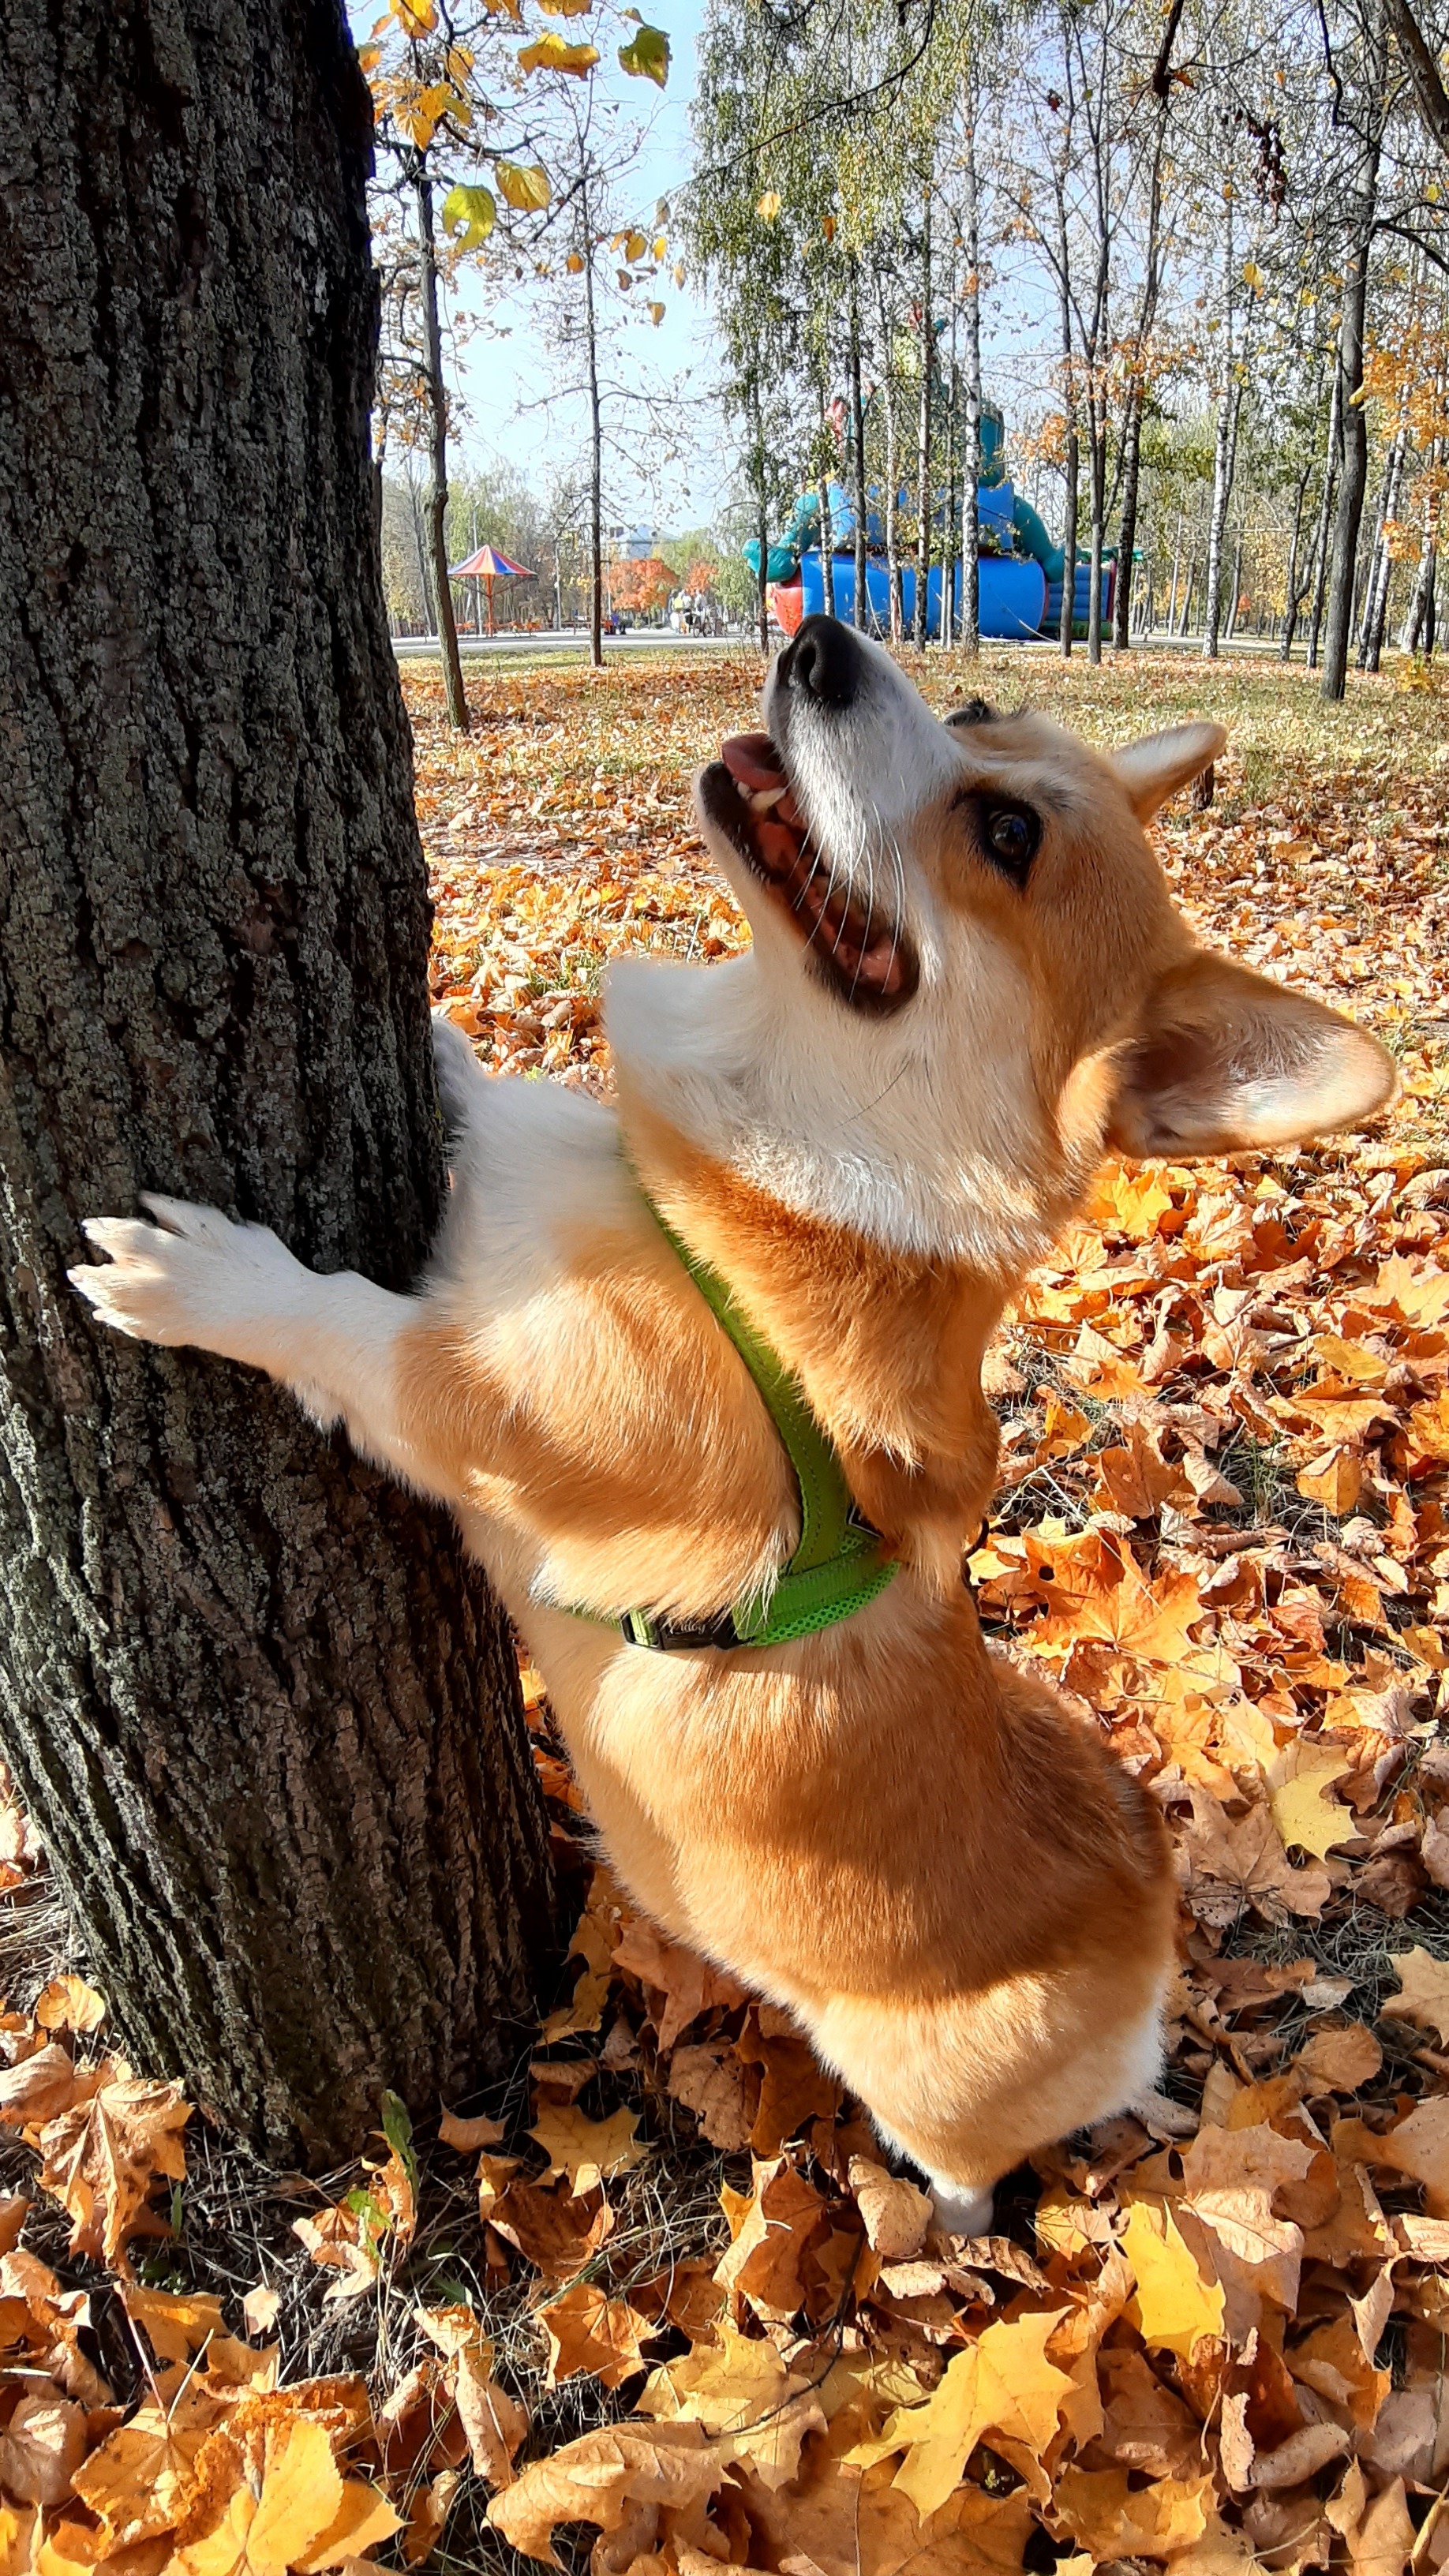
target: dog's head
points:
(978, 897)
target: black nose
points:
(823, 661)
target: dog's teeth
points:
(761, 799)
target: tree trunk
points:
(892, 509)
(857, 426)
(1352, 427)
(436, 506)
(261, 1708)
(1069, 543)
(1294, 592)
(1224, 452)
(971, 462)
(1376, 605)
(1325, 525)
(923, 447)
(596, 443)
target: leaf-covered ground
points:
(661, 2298)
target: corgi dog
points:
(967, 980)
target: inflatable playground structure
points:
(1021, 573)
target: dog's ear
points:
(1154, 768)
(1227, 1059)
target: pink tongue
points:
(752, 760)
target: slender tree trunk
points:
(1176, 563)
(971, 461)
(1235, 587)
(1377, 604)
(1352, 427)
(261, 1708)
(1422, 593)
(762, 513)
(1097, 485)
(1224, 457)
(1294, 594)
(827, 545)
(857, 426)
(1325, 524)
(596, 437)
(1187, 597)
(923, 451)
(1069, 542)
(1137, 395)
(892, 512)
(436, 507)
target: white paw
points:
(963, 2213)
(192, 1277)
(458, 1070)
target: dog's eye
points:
(1012, 835)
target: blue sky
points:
(506, 373)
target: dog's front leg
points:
(195, 1279)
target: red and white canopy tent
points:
(488, 565)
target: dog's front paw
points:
(192, 1277)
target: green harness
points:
(840, 1562)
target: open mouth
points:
(862, 949)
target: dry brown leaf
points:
(688, 1984)
(1114, 2520)
(588, 2331)
(711, 2085)
(1338, 2060)
(606, 2476)
(894, 2213)
(588, 2151)
(1423, 1990)
(772, 2228)
(794, 2089)
(68, 2003)
(103, 2158)
(557, 2231)
(41, 2448)
(469, 2135)
(740, 2390)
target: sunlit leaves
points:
(468, 215)
(768, 204)
(551, 53)
(646, 56)
(526, 186)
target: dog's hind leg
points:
(195, 1279)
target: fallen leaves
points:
(1223, 1525)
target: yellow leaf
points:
(635, 246)
(1002, 2383)
(588, 2151)
(575, 267)
(551, 53)
(1253, 277)
(525, 185)
(566, 8)
(468, 215)
(266, 2533)
(655, 313)
(68, 2003)
(1174, 2307)
(415, 17)
(605, 2475)
(768, 205)
(1112, 2520)
(646, 56)
(1298, 1784)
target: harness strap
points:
(839, 1564)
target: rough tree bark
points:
(260, 1706)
